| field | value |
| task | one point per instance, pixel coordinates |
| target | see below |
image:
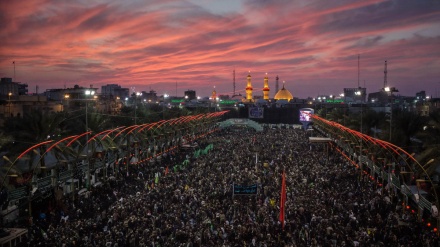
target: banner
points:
(245, 189)
(256, 112)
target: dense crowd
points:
(328, 202)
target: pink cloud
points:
(309, 44)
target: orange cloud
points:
(308, 44)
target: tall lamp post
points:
(390, 91)
(359, 93)
(87, 94)
(66, 98)
(342, 95)
(165, 97)
(135, 105)
(9, 103)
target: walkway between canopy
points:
(319, 139)
(241, 121)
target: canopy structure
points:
(385, 163)
(87, 153)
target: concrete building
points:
(8, 87)
(355, 95)
(19, 105)
(150, 97)
(190, 94)
(114, 90)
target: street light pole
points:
(359, 93)
(135, 106)
(65, 102)
(165, 97)
(391, 119)
(9, 103)
(390, 91)
(88, 92)
(87, 148)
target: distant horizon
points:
(312, 45)
(182, 93)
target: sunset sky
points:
(312, 45)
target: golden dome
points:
(283, 94)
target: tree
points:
(405, 126)
(36, 126)
(76, 122)
(429, 135)
(372, 120)
(4, 139)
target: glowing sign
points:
(305, 115)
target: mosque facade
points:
(282, 94)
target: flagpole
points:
(283, 198)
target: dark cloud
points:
(380, 16)
(367, 42)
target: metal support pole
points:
(391, 119)
(87, 150)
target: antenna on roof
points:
(385, 72)
(233, 80)
(359, 73)
(15, 80)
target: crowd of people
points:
(166, 203)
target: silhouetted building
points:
(72, 94)
(421, 96)
(115, 91)
(380, 97)
(150, 96)
(190, 94)
(355, 95)
(8, 88)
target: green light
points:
(334, 101)
(228, 102)
(177, 100)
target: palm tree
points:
(372, 120)
(4, 139)
(405, 126)
(35, 127)
(431, 144)
(76, 122)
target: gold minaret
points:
(214, 95)
(266, 88)
(249, 88)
